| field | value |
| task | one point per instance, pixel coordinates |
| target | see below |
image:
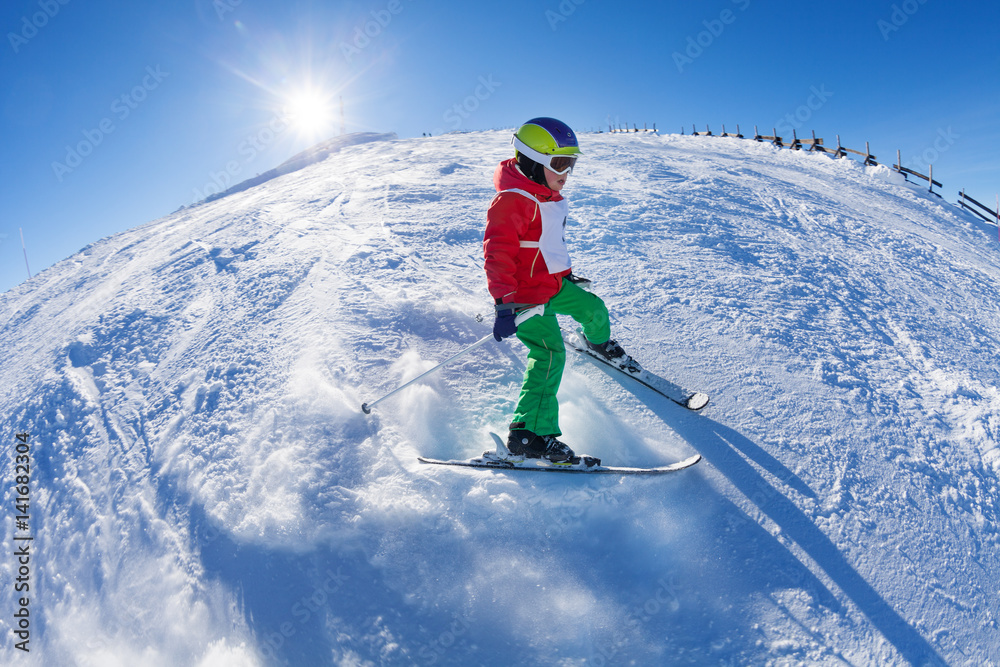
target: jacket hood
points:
(507, 177)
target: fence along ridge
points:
(816, 144)
(618, 129)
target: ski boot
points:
(522, 442)
(614, 354)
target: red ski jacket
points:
(517, 274)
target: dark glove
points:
(505, 325)
(578, 280)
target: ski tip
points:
(686, 463)
(696, 401)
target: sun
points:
(310, 113)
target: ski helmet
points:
(547, 142)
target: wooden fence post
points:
(870, 159)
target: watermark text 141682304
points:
(21, 566)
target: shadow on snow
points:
(725, 449)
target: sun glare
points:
(309, 112)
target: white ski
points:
(691, 400)
(501, 459)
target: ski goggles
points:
(560, 164)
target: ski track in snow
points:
(206, 490)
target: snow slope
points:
(206, 490)
(302, 160)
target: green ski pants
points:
(537, 406)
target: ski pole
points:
(367, 407)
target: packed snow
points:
(205, 489)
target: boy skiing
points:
(529, 275)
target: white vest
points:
(553, 241)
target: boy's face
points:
(555, 181)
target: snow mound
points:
(205, 489)
(317, 153)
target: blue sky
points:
(117, 113)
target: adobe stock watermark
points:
(304, 609)
(21, 564)
(945, 139)
(566, 9)
(664, 598)
(223, 7)
(370, 29)
(698, 44)
(568, 511)
(434, 650)
(899, 16)
(458, 113)
(252, 146)
(803, 114)
(121, 108)
(30, 25)
(461, 111)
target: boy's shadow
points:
(725, 449)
